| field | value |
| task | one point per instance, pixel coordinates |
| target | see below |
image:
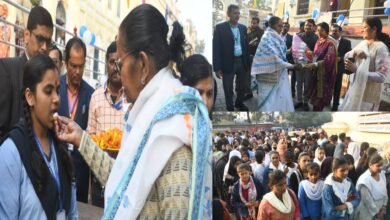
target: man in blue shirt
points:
(231, 58)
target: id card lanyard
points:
(54, 172)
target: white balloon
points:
(87, 37)
(386, 4)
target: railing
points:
(89, 58)
(367, 13)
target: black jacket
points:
(343, 48)
(11, 79)
(223, 48)
(255, 37)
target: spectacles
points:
(74, 66)
(41, 39)
(118, 63)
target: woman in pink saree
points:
(324, 68)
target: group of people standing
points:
(317, 58)
(46, 123)
(273, 175)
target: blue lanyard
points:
(54, 172)
(118, 106)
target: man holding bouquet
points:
(303, 47)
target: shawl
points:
(283, 207)
(377, 189)
(165, 118)
(313, 190)
(341, 190)
(355, 93)
(270, 55)
(252, 195)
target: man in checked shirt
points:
(106, 111)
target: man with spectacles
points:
(75, 95)
(37, 38)
(106, 111)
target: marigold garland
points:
(109, 140)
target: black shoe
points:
(298, 105)
(241, 107)
(230, 109)
(306, 107)
(248, 96)
(335, 108)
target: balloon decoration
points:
(315, 14)
(387, 11)
(286, 14)
(346, 21)
(82, 30)
(87, 35)
(340, 19)
(386, 4)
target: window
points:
(303, 7)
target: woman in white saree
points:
(371, 68)
(270, 68)
(163, 169)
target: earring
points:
(143, 82)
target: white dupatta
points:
(354, 97)
(166, 137)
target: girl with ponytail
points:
(35, 169)
(371, 67)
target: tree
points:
(306, 119)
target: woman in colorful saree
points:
(371, 67)
(324, 69)
(270, 68)
(163, 169)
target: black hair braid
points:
(385, 39)
(176, 45)
(38, 165)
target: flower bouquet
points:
(300, 51)
(109, 141)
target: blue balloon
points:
(340, 18)
(315, 13)
(82, 30)
(387, 11)
(92, 40)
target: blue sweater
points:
(330, 201)
(309, 208)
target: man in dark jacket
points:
(254, 36)
(343, 47)
(231, 58)
(37, 37)
(75, 95)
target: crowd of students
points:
(298, 175)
